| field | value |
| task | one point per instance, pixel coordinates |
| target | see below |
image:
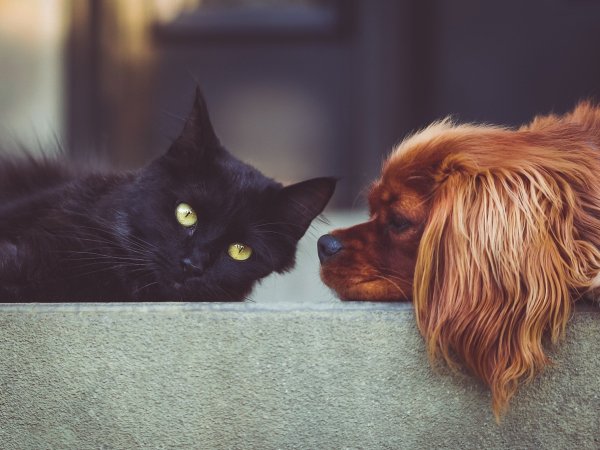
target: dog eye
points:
(398, 224)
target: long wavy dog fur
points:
(493, 232)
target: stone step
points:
(267, 376)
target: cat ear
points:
(300, 203)
(198, 140)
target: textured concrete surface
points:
(251, 376)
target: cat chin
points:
(194, 290)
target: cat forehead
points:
(228, 202)
(228, 189)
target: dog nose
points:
(327, 246)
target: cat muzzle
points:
(191, 269)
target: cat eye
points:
(239, 252)
(186, 215)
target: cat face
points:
(211, 225)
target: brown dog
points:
(493, 233)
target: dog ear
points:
(497, 265)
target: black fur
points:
(68, 236)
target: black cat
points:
(196, 224)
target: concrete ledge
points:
(202, 376)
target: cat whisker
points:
(264, 224)
(109, 264)
(76, 275)
(287, 236)
(104, 242)
(139, 289)
(93, 255)
(136, 251)
(131, 239)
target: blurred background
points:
(298, 88)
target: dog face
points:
(375, 260)
(491, 232)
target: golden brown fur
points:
(493, 232)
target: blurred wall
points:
(504, 62)
(303, 88)
(299, 88)
(31, 73)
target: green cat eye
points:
(239, 252)
(186, 215)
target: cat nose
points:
(189, 268)
(327, 246)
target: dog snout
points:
(327, 246)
